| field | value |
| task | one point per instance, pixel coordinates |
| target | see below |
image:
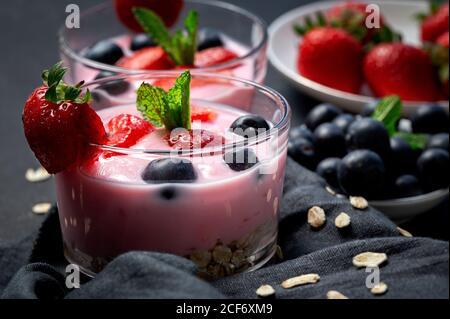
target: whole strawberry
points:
(168, 10)
(331, 57)
(59, 124)
(403, 70)
(352, 16)
(435, 24)
(439, 55)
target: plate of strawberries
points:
(351, 53)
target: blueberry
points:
(328, 170)
(169, 170)
(433, 169)
(248, 125)
(369, 109)
(105, 51)
(141, 41)
(301, 132)
(367, 133)
(330, 140)
(114, 87)
(322, 113)
(407, 186)
(431, 119)
(303, 152)
(403, 157)
(241, 159)
(361, 173)
(438, 141)
(168, 193)
(209, 38)
(344, 121)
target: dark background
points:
(29, 44)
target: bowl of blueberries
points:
(400, 165)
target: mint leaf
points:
(151, 101)
(171, 109)
(182, 45)
(179, 100)
(388, 111)
(416, 141)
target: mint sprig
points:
(182, 45)
(388, 111)
(58, 91)
(170, 109)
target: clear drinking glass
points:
(245, 33)
(224, 224)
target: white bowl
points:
(283, 50)
(403, 209)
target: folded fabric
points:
(416, 267)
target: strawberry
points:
(168, 10)
(213, 56)
(352, 16)
(125, 130)
(202, 114)
(59, 125)
(400, 69)
(435, 24)
(153, 58)
(193, 138)
(331, 57)
(443, 40)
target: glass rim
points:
(281, 126)
(66, 49)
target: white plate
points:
(283, 49)
(404, 209)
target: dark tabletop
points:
(29, 44)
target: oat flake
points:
(369, 259)
(316, 216)
(343, 220)
(41, 208)
(265, 291)
(333, 294)
(300, 280)
(379, 289)
(359, 202)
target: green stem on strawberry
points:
(58, 91)
(180, 46)
(170, 109)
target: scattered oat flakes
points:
(222, 254)
(333, 294)
(265, 291)
(316, 217)
(359, 202)
(342, 221)
(330, 190)
(41, 208)
(379, 289)
(404, 233)
(201, 258)
(300, 280)
(369, 259)
(37, 175)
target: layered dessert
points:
(165, 36)
(167, 171)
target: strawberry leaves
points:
(58, 91)
(171, 109)
(182, 45)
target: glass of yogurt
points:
(222, 213)
(237, 30)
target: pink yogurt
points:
(107, 209)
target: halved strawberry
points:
(125, 130)
(153, 58)
(59, 133)
(213, 56)
(202, 114)
(188, 139)
(168, 10)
